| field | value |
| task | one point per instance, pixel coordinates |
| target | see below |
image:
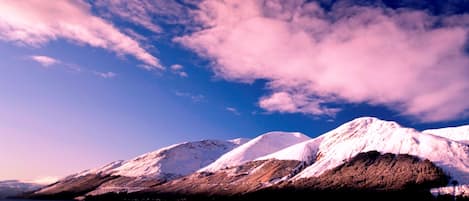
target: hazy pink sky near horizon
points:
(86, 83)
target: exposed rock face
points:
(249, 177)
(373, 171)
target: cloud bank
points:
(407, 60)
(36, 22)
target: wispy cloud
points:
(106, 75)
(233, 110)
(194, 97)
(35, 22)
(406, 60)
(45, 61)
(178, 69)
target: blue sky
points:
(88, 100)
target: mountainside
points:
(255, 148)
(402, 175)
(378, 172)
(146, 170)
(248, 177)
(15, 187)
(460, 134)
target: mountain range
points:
(364, 155)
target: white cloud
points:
(178, 69)
(36, 22)
(44, 60)
(105, 75)
(312, 57)
(233, 110)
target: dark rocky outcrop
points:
(373, 171)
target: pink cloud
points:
(312, 57)
(44, 60)
(178, 69)
(36, 22)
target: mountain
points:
(255, 148)
(365, 153)
(460, 134)
(372, 134)
(146, 170)
(15, 187)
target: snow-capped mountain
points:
(171, 161)
(260, 146)
(368, 134)
(148, 169)
(176, 160)
(460, 134)
(278, 156)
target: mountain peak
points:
(260, 146)
(366, 122)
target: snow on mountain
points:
(368, 133)
(260, 146)
(456, 190)
(304, 151)
(106, 169)
(169, 162)
(460, 134)
(176, 160)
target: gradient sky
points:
(84, 83)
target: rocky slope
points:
(378, 172)
(260, 180)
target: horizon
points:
(85, 83)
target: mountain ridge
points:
(313, 156)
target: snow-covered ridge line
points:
(460, 133)
(173, 161)
(260, 146)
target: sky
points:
(84, 83)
